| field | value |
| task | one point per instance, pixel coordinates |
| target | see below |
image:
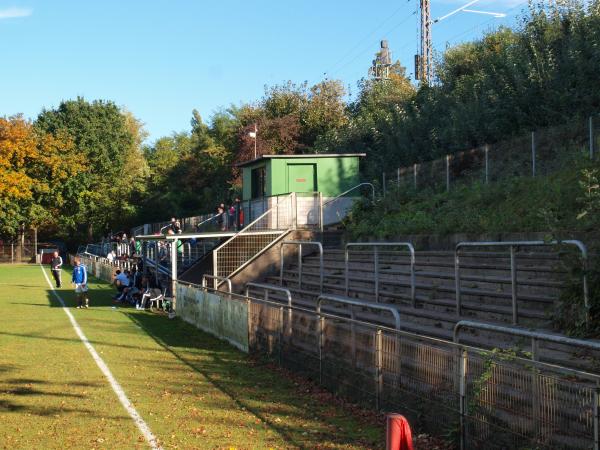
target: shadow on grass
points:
(173, 335)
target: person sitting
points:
(121, 282)
(134, 289)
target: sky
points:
(161, 59)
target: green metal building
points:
(330, 174)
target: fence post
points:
(321, 331)
(280, 333)
(249, 314)
(487, 167)
(300, 266)
(383, 177)
(591, 126)
(378, 369)
(376, 272)
(533, 153)
(596, 417)
(513, 285)
(448, 173)
(294, 210)
(321, 226)
(398, 177)
(463, 397)
(353, 336)
(415, 176)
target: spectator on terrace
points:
(133, 288)
(121, 282)
(221, 219)
(111, 256)
(132, 246)
(239, 214)
(231, 218)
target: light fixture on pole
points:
(253, 135)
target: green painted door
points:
(302, 178)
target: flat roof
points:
(316, 155)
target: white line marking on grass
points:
(143, 426)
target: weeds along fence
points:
(538, 153)
(477, 398)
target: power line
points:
(361, 41)
(370, 45)
(494, 19)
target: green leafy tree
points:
(109, 139)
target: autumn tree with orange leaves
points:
(35, 173)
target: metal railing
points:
(242, 248)
(535, 336)
(376, 246)
(514, 245)
(271, 287)
(216, 279)
(335, 210)
(489, 395)
(362, 303)
(300, 244)
(267, 288)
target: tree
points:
(36, 170)
(109, 139)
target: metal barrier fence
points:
(540, 152)
(237, 252)
(535, 336)
(336, 209)
(513, 245)
(481, 398)
(300, 244)
(376, 246)
(15, 254)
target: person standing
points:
(56, 266)
(80, 281)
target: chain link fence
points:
(477, 398)
(539, 153)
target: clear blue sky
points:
(161, 59)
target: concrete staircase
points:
(485, 287)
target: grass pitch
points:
(193, 391)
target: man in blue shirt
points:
(80, 281)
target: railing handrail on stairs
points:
(376, 246)
(352, 189)
(535, 335)
(300, 244)
(512, 245)
(247, 230)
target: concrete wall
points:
(226, 319)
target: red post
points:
(398, 434)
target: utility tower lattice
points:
(423, 61)
(380, 69)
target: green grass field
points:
(192, 390)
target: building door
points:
(302, 178)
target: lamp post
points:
(253, 135)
